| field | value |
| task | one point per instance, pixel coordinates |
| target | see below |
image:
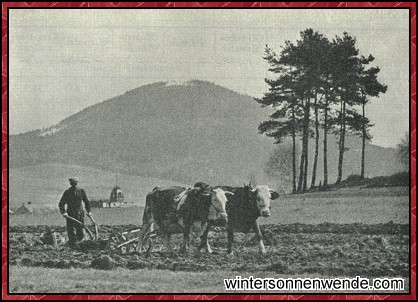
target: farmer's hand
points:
(89, 214)
(65, 215)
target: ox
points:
(243, 209)
(177, 210)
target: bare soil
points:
(330, 249)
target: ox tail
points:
(147, 223)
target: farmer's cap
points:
(73, 179)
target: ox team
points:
(177, 210)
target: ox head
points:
(217, 209)
(262, 196)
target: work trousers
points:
(75, 231)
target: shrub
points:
(399, 179)
(396, 180)
(353, 178)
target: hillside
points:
(196, 131)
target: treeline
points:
(319, 85)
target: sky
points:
(64, 60)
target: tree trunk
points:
(294, 148)
(342, 143)
(315, 164)
(363, 147)
(306, 137)
(325, 142)
(305, 171)
(301, 166)
(302, 158)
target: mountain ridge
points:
(190, 132)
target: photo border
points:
(6, 6)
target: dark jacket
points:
(73, 198)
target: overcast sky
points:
(63, 60)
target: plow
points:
(127, 242)
(119, 242)
(94, 235)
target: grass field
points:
(354, 205)
(351, 205)
(41, 280)
(44, 184)
(109, 216)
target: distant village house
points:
(117, 199)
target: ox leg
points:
(148, 241)
(259, 237)
(230, 240)
(204, 243)
(186, 241)
(142, 236)
(208, 248)
(147, 224)
(148, 252)
(167, 243)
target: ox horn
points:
(212, 190)
(230, 193)
(208, 194)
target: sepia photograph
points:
(201, 149)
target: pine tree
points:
(285, 121)
(308, 57)
(315, 75)
(354, 84)
(300, 71)
(369, 87)
(345, 79)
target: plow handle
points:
(82, 224)
(96, 229)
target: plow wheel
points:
(127, 242)
(115, 240)
(132, 247)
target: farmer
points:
(73, 198)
